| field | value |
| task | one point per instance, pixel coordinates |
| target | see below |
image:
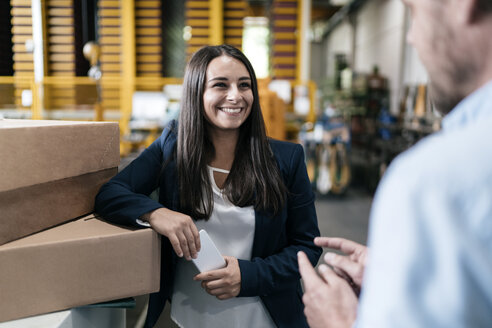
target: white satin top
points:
(232, 230)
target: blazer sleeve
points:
(279, 271)
(125, 198)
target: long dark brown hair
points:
(254, 178)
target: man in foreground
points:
(430, 262)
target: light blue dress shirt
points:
(430, 258)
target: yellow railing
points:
(159, 82)
(53, 82)
(43, 105)
(311, 85)
(19, 84)
(38, 105)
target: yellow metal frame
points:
(299, 36)
(128, 64)
(110, 82)
(29, 82)
(216, 22)
(153, 81)
(311, 85)
(113, 81)
(128, 82)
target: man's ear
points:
(465, 11)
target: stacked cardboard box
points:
(50, 173)
(81, 262)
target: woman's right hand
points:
(178, 228)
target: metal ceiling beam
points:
(340, 15)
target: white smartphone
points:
(209, 257)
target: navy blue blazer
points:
(272, 273)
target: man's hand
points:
(328, 299)
(179, 228)
(350, 267)
(222, 283)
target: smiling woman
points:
(222, 77)
(227, 97)
(216, 170)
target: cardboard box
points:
(36, 151)
(81, 317)
(81, 262)
(50, 172)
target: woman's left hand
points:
(222, 283)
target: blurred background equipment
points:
(92, 53)
(333, 75)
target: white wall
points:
(377, 36)
(379, 40)
(339, 42)
(318, 62)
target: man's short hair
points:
(485, 5)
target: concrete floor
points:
(345, 216)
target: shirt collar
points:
(471, 109)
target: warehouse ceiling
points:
(325, 3)
(325, 14)
(322, 10)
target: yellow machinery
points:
(128, 55)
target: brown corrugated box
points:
(50, 172)
(81, 262)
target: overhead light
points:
(339, 2)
